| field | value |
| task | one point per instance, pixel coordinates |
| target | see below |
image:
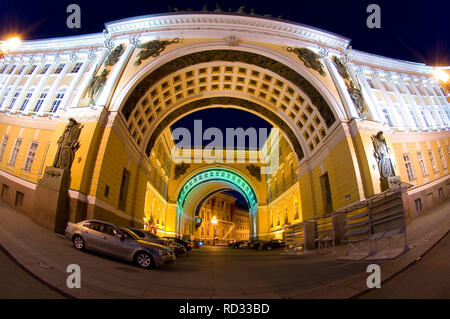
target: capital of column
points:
(134, 40)
(324, 52)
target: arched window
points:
(16, 95)
(57, 101)
(27, 98)
(41, 100)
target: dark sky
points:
(410, 30)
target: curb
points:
(39, 279)
(414, 262)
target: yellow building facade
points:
(130, 84)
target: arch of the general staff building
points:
(128, 86)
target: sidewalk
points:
(227, 274)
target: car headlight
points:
(163, 253)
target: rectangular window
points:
(15, 151)
(442, 158)
(30, 156)
(45, 68)
(32, 70)
(3, 146)
(418, 203)
(441, 193)
(16, 95)
(370, 82)
(388, 117)
(25, 102)
(409, 167)
(76, 67)
(5, 189)
(12, 69)
(3, 69)
(21, 70)
(56, 102)
(19, 199)
(59, 68)
(433, 161)
(39, 102)
(422, 165)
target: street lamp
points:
(214, 222)
(441, 75)
(8, 45)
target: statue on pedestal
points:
(67, 145)
(385, 167)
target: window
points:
(40, 101)
(76, 67)
(409, 167)
(442, 158)
(106, 191)
(370, 82)
(19, 199)
(3, 69)
(3, 146)
(433, 161)
(15, 151)
(124, 189)
(422, 165)
(5, 189)
(30, 156)
(16, 95)
(21, 70)
(57, 101)
(45, 68)
(11, 69)
(418, 203)
(441, 193)
(388, 117)
(59, 68)
(27, 99)
(413, 115)
(4, 96)
(30, 71)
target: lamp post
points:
(8, 45)
(214, 222)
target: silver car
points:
(117, 242)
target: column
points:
(81, 90)
(349, 107)
(26, 86)
(8, 80)
(73, 84)
(114, 76)
(10, 96)
(38, 90)
(412, 102)
(54, 88)
(387, 99)
(358, 76)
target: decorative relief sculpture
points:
(67, 145)
(352, 89)
(152, 49)
(114, 55)
(255, 171)
(309, 58)
(180, 170)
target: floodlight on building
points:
(8, 45)
(440, 75)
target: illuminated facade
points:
(129, 85)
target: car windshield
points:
(129, 234)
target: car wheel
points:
(143, 260)
(78, 242)
(269, 248)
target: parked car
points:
(181, 242)
(108, 239)
(231, 243)
(241, 244)
(179, 249)
(256, 244)
(149, 236)
(276, 243)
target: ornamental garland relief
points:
(309, 58)
(152, 49)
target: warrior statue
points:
(67, 145)
(97, 83)
(382, 155)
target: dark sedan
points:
(276, 243)
(187, 245)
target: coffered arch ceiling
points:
(233, 78)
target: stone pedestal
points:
(50, 206)
(390, 182)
